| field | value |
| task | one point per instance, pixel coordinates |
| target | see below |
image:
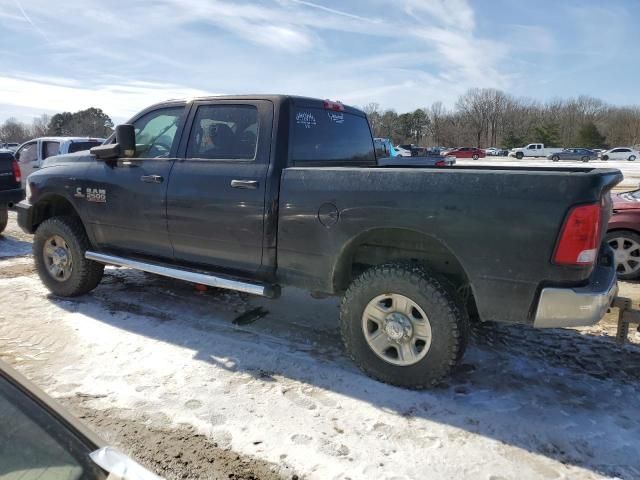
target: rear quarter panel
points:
(502, 225)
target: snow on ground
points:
(276, 384)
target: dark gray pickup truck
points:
(253, 192)
(10, 189)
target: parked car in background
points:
(467, 152)
(581, 154)
(9, 146)
(492, 151)
(10, 188)
(623, 233)
(403, 152)
(384, 148)
(31, 154)
(503, 152)
(41, 440)
(620, 153)
(533, 150)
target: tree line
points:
(481, 117)
(486, 117)
(91, 122)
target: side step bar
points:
(264, 290)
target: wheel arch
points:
(52, 205)
(382, 245)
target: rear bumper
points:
(11, 196)
(25, 216)
(578, 307)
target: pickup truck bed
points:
(492, 228)
(253, 192)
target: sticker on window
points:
(306, 119)
(336, 117)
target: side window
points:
(29, 152)
(322, 136)
(227, 132)
(156, 132)
(50, 149)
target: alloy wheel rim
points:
(57, 258)
(396, 329)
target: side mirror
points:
(124, 146)
(126, 138)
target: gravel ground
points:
(177, 377)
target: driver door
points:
(126, 198)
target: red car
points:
(467, 152)
(623, 233)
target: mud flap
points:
(627, 315)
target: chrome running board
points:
(271, 291)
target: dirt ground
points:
(172, 453)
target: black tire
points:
(555, 158)
(519, 155)
(633, 237)
(605, 157)
(85, 274)
(446, 315)
(585, 159)
(4, 217)
(475, 156)
(632, 158)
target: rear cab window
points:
(81, 146)
(330, 137)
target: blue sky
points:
(403, 54)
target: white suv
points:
(620, 153)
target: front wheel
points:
(585, 159)
(605, 157)
(59, 246)
(632, 158)
(475, 156)
(519, 155)
(4, 217)
(403, 326)
(555, 158)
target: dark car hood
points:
(625, 201)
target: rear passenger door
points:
(216, 195)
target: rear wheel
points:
(632, 158)
(403, 326)
(555, 158)
(626, 248)
(59, 246)
(4, 217)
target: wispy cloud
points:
(28, 19)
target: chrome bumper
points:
(578, 307)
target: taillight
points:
(440, 163)
(337, 106)
(578, 243)
(16, 171)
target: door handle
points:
(246, 184)
(152, 178)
